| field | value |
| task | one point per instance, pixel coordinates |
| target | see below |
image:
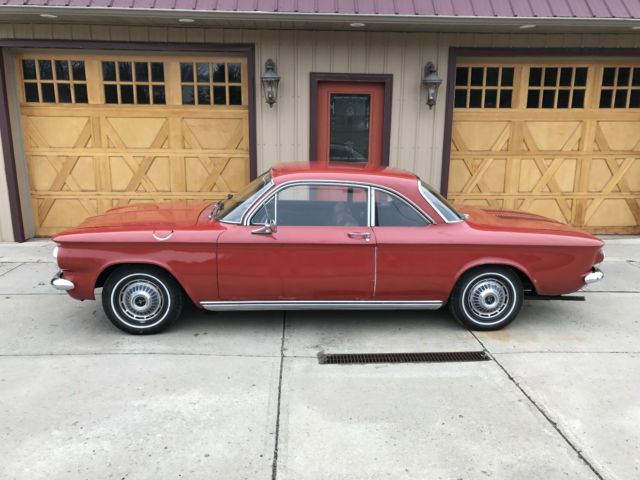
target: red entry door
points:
(350, 119)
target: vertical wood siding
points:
(283, 131)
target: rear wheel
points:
(141, 299)
(487, 298)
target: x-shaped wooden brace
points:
(617, 179)
(478, 172)
(63, 165)
(139, 170)
(214, 176)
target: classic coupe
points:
(305, 236)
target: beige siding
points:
(283, 131)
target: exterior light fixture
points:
(357, 24)
(270, 80)
(432, 81)
(48, 15)
(525, 27)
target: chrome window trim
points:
(369, 186)
(268, 187)
(444, 219)
(394, 194)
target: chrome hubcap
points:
(140, 300)
(488, 298)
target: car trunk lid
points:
(513, 219)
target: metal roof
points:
(544, 9)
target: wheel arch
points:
(104, 274)
(523, 274)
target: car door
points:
(321, 248)
(405, 257)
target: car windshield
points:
(439, 203)
(232, 209)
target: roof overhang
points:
(314, 21)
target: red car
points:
(303, 236)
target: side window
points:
(265, 213)
(322, 205)
(393, 212)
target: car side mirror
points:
(269, 228)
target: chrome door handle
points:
(365, 235)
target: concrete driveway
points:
(242, 395)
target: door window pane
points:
(81, 92)
(265, 213)
(142, 72)
(48, 94)
(62, 70)
(219, 95)
(29, 69)
(349, 128)
(77, 66)
(235, 73)
(126, 93)
(64, 93)
(322, 205)
(394, 212)
(46, 72)
(235, 95)
(31, 92)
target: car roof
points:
(338, 171)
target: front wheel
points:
(141, 300)
(487, 298)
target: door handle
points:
(365, 235)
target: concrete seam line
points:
(181, 354)
(11, 269)
(274, 465)
(544, 414)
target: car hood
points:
(515, 220)
(156, 215)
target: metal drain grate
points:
(424, 357)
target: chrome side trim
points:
(323, 305)
(595, 276)
(60, 283)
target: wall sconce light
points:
(270, 80)
(432, 81)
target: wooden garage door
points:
(102, 131)
(561, 139)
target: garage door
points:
(561, 139)
(107, 130)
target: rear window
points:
(439, 203)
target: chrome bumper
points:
(595, 276)
(60, 283)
